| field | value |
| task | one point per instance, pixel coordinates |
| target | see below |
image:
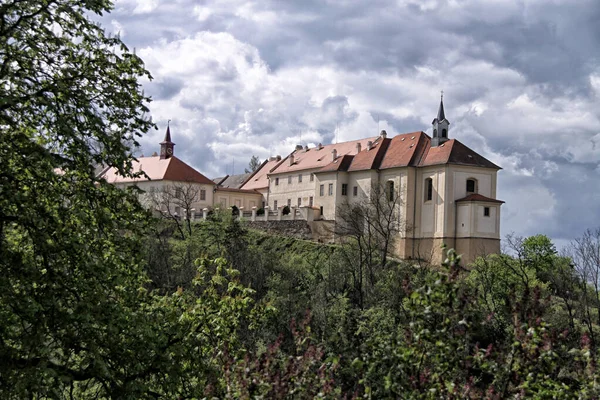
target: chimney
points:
(272, 158)
(291, 158)
(306, 148)
(320, 146)
(358, 148)
(383, 134)
(278, 157)
(333, 154)
(298, 147)
(369, 145)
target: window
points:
(177, 210)
(322, 190)
(330, 192)
(299, 201)
(355, 191)
(312, 177)
(289, 179)
(289, 203)
(310, 201)
(435, 133)
(428, 189)
(344, 189)
(276, 181)
(471, 186)
(202, 194)
(390, 191)
(275, 205)
(444, 133)
(486, 211)
(178, 193)
(299, 178)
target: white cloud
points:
(258, 77)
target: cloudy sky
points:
(521, 81)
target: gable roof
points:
(315, 158)
(339, 164)
(232, 181)
(259, 179)
(370, 159)
(170, 169)
(405, 150)
(454, 152)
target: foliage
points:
(70, 301)
(276, 374)
(286, 210)
(253, 165)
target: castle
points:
(446, 192)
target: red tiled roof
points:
(259, 179)
(339, 164)
(171, 169)
(314, 158)
(370, 159)
(405, 150)
(454, 152)
(479, 197)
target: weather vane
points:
(168, 123)
(442, 95)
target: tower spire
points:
(166, 146)
(441, 115)
(440, 125)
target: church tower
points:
(166, 146)
(440, 125)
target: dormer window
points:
(471, 186)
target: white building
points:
(173, 184)
(447, 190)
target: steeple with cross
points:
(440, 125)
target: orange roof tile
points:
(454, 152)
(339, 164)
(370, 159)
(404, 150)
(172, 169)
(314, 158)
(259, 179)
(479, 197)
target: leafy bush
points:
(286, 210)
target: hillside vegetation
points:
(98, 299)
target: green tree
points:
(253, 165)
(73, 313)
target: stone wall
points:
(298, 229)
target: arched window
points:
(428, 189)
(435, 133)
(444, 133)
(471, 185)
(390, 191)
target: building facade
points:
(173, 187)
(445, 192)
